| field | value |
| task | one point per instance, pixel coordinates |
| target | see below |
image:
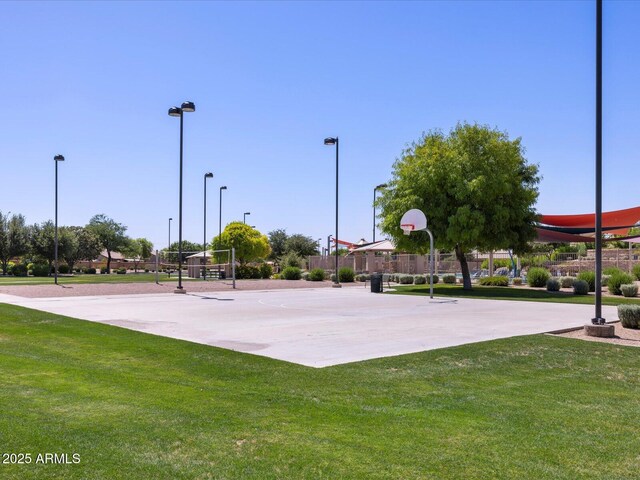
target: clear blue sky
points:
(93, 81)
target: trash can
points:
(376, 283)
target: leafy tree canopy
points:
(301, 245)
(474, 185)
(249, 243)
(277, 242)
(110, 234)
(14, 238)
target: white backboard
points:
(415, 217)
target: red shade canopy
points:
(624, 219)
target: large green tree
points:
(301, 245)
(188, 248)
(14, 238)
(277, 242)
(249, 243)
(475, 186)
(110, 234)
(81, 244)
(42, 239)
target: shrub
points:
(40, 270)
(611, 270)
(64, 268)
(292, 273)
(629, 315)
(276, 276)
(386, 277)
(495, 281)
(419, 279)
(636, 271)
(362, 277)
(580, 287)
(305, 276)
(146, 270)
(121, 271)
(449, 278)
(567, 282)
(90, 271)
(19, 270)
(517, 281)
(247, 271)
(316, 275)
(266, 270)
(346, 274)
(537, 277)
(332, 277)
(405, 279)
(553, 285)
(605, 280)
(291, 259)
(618, 279)
(30, 266)
(628, 290)
(590, 278)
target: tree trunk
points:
(108, 261)
(464, 266)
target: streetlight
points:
(379, 187)
(57, 159)
(179, 112)
(334, 141)
(204, 243)
(244, 218)
(220, 215)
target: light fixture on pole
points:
(57, 159)
(379, 187)
(244, 217)
(204, 242)
(179, 112)
(220, 214)
(336, 142)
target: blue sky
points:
(93, 81)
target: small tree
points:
(188, 248)
(14, 238)
(110, 234)
(138, 249)
(249, 243)
(42, 239)
(475, 186)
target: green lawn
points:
(137, 406)
(509, 293)
(129, 277)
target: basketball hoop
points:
(407, 228)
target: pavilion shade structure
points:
(581, 228)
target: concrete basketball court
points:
(319, 327)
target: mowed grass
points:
(510, 293)
(137, 406)
(129, 277)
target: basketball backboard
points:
(413, 220)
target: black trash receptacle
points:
(376, 282)
(223, 275)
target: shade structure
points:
(382, 246)
(615, 222)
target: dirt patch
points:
(623, 336)
(91, 289)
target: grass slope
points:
(137, 406)
(509, 293)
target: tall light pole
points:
(335, 141)
(220, 214)
(244, 217)
(379, 187)
(598, 320)
(204, 242)
(57, 159)
(179, 112)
